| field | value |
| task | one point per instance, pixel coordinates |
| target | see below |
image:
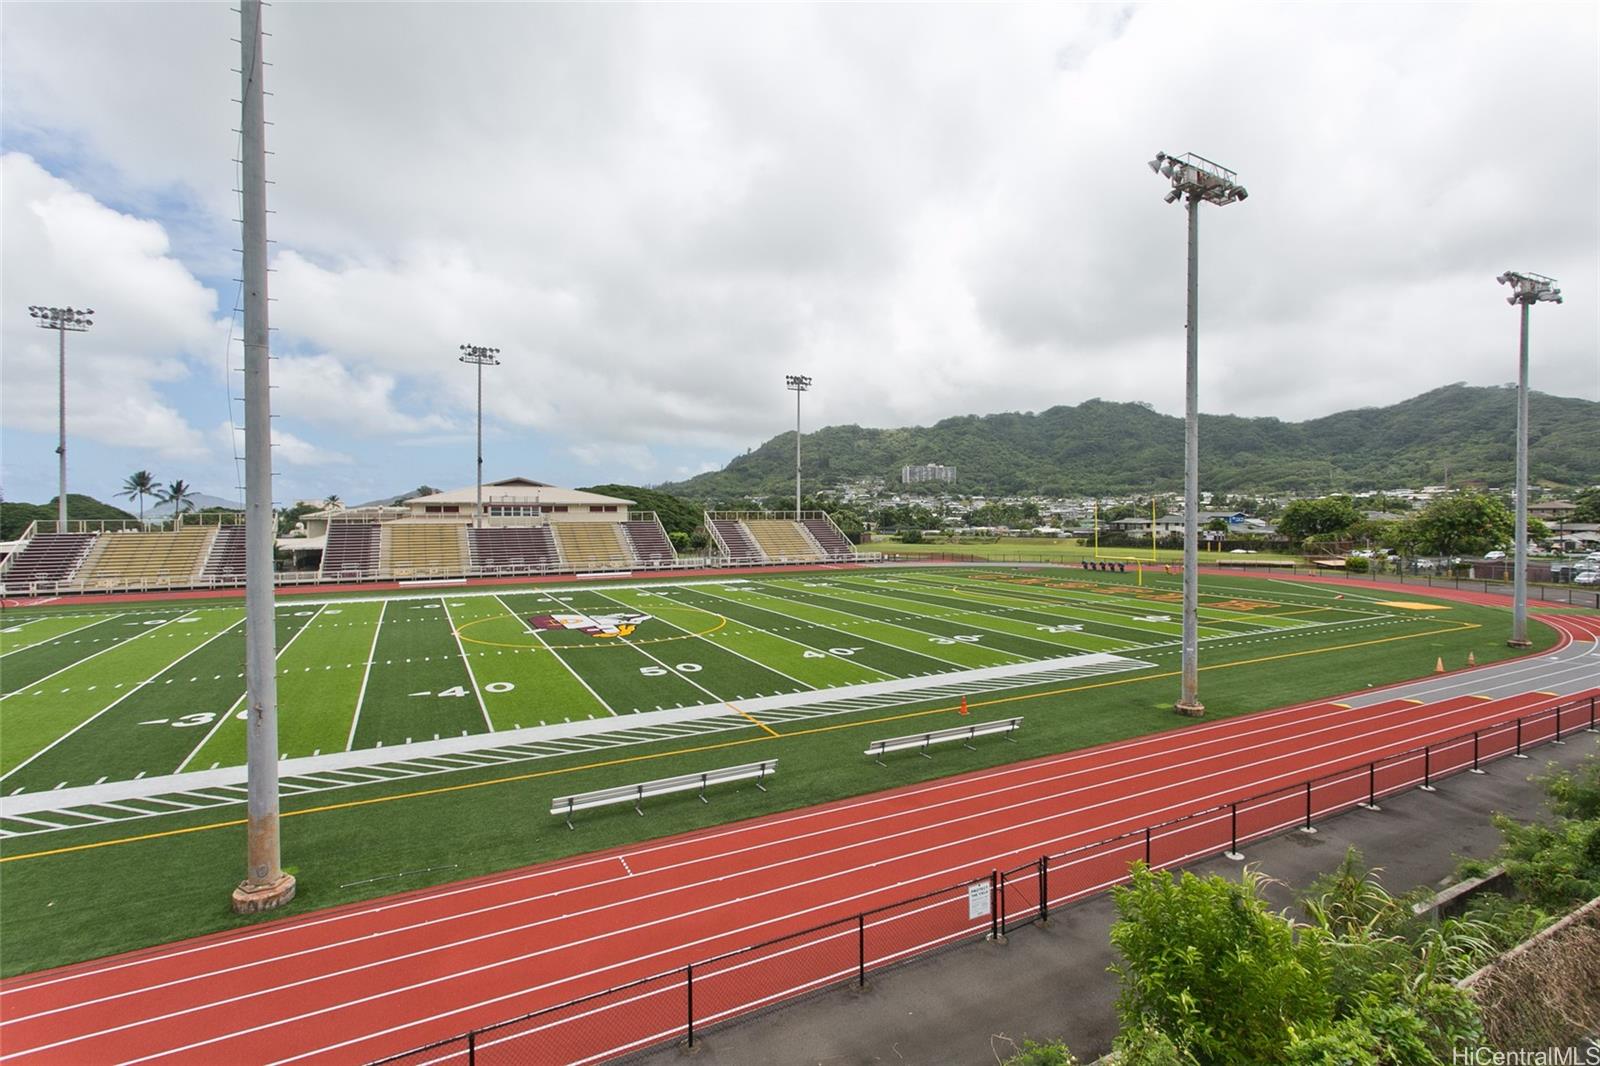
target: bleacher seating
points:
(742, 548)
(48, 557)
(131, 557)
(592, 545)
(513, 548)
(828, 538)
(227, 554)
(782, 538)
(351, 551)
(650, 542)
(421, 548)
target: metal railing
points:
(681, 1004)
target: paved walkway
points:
(1052, 981)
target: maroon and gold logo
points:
(596, 625)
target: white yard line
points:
(131, 690)
(78, 662)
(94, 620)
(897, 625)
(714, 644)
(184, 765)
(471, 676)
(831, 629)
(372, 653)
(547, 647)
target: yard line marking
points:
(754, 719)
(125, 695)
(699, 636)
(751, 625)
(908, 629)
(102, 651)
(824, 625)
(547, 647)
(476, 691)
(372, 654)
(670, 670)
(94, 620)
(246, 694)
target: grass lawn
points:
(80, 893)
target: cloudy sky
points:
(657, 211)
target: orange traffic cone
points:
(1472, 660)
(963, 709)
(1438, 667)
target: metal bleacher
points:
(735, 539)
(351, 550)
(592, 545)
(650, 543)
(49, 558)
(513, 548)
(227, 554)
(134, 558)
(426, 549)
(828, 538)
(783, 539)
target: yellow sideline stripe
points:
(752, 718)
(648, 756)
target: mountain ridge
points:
(1461, 433)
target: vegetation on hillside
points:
(677, 515)
(1460, 434)
(14, 517)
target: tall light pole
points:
(796, 383)
(62, 320)
(1526, 290)
(1196, 179)
(479, 356)
(265, 885)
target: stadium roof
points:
(518, 490)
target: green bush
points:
(1052, 1053)
(1356, 565)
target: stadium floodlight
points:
(1197, 179)
(1526, 290)
(479, 356)
(63, 320)
(796, 383)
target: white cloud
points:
(151, 317)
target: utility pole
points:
(265, 885)
(479, 356)
(1195, 178)
(62, 320)
(1526, 290)
(796, 383)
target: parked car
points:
(1492, 556)
(1587, 577)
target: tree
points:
(181, 495)
(1588, 509)
(140, 483)
(1217, 525)
(333, 501)
(1466, 523)
(1318, 518)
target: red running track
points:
(355, 983)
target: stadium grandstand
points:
(526, 528)
(746, 538)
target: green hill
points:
(1465, 433)
(14, 517)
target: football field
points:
(151, 690)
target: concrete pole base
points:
(1369, 806)
(1427, 788)
(252, 899)
(1477, 771)
(1190, 710)
(1309, 830)
(1233, 856)
(1519, 643)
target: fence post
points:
(1592, 727)
(688, 983)
(994, 907)
(1044, 888)
(1233, 833)
(1308, 827)
(1427, 770)
(1147, 846)
(861, 951)
(1519, 754)
(1557, 738)
(472, 1046)
(1372, 787)
(1475, 768)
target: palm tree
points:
(333, 501)
(181, 495)
(140, 483)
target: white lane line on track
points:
(966, 867)
(1259, 722)
(917, 831)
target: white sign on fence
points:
(978, 903)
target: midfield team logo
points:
(596, 625)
